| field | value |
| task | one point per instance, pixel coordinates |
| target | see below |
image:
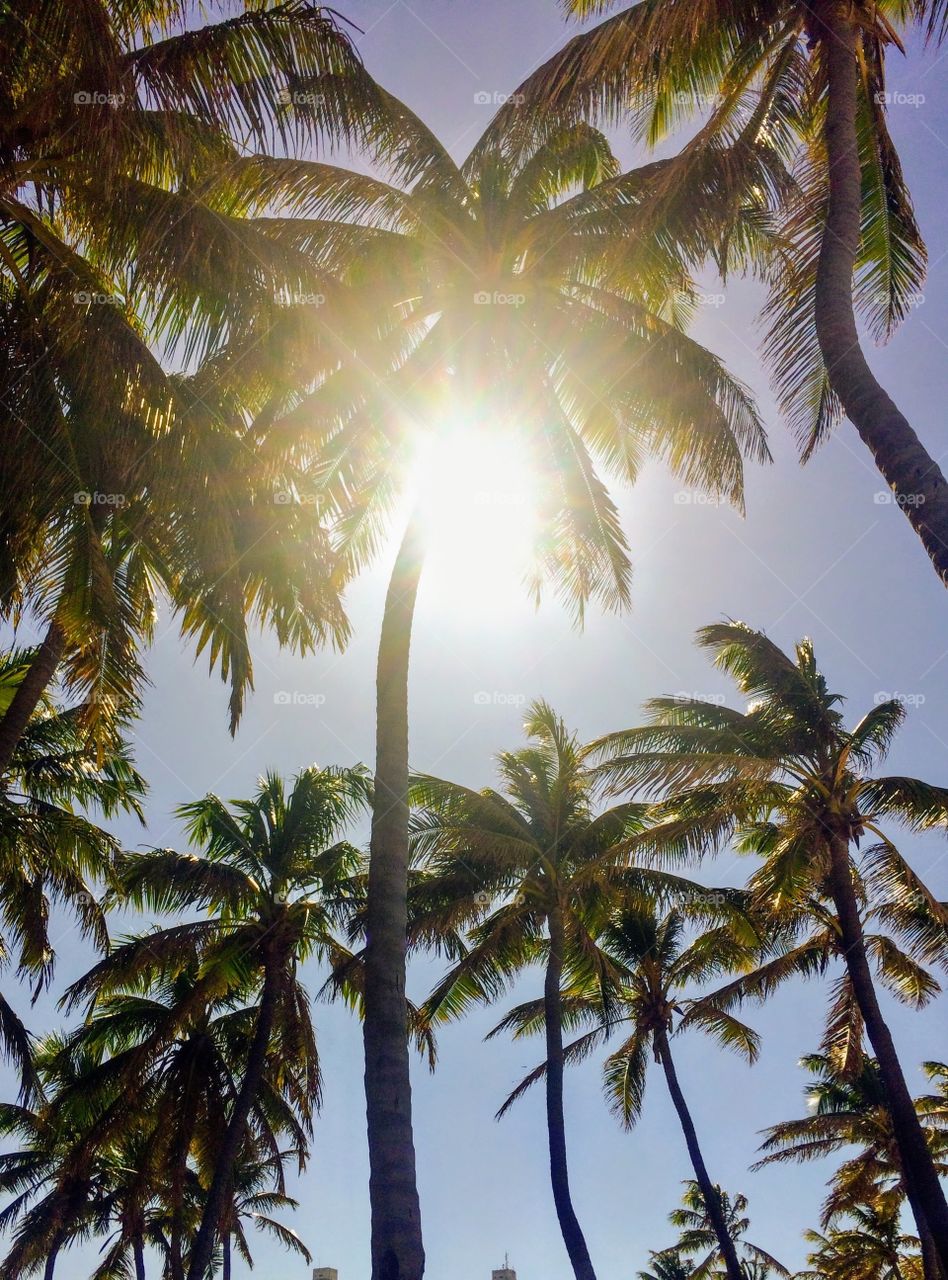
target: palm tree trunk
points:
(908, 469)
(555, 1121)
(203, 1248)
(226, 1261)
(921, 1178)
(51, 1259)
(30, 690)
(709, 1192)
(931, 1267)
(179, 1168)
(397, 1247)
(139, 1251)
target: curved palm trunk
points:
(30, 690)
(924, 1189)
(50, 1267)
(397, 1248)
(555, 1121)
(908, 469)
(203, 1250)
(709, 1192)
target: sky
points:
(821, 552)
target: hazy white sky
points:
(817, 554)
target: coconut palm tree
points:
(667, 1265)
(274, 880)
(121, 233)
(548, 858)
(869, 1247)
(818, 71)
(554, 864)
(850, 1110)
(800, 791)
(657, 963)
(51, 852)
(699, 1237)
(163, 1041)
(504, 294)
(258, 1192)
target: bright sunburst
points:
(474, 487)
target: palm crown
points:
(509, 292)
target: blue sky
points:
(818, 553)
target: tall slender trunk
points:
(397, 1247)
(203, 1248)
(179, 1164)
(138, 1249)
(921, 1177)
(913, 476)
(709, 1192)
(39, 676)
(226, 1260)
(555, 1121)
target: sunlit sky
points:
(818, 553)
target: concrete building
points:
(325, 1273)
(505, 1273)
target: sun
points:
(474, 489)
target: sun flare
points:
(473, 486)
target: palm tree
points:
(121, 233)
(258, 1192)
(556, 866)
(657, 964)
(817, 71)
(870, 1247)
(51, 852)
(541, 850)
(504, 293)
(698, 1235)
(54, 1196)
(850, 1110)
(275, 879)
(162, 1040)
(667, 1265)
(799, 790)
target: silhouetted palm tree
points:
(799, 791)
